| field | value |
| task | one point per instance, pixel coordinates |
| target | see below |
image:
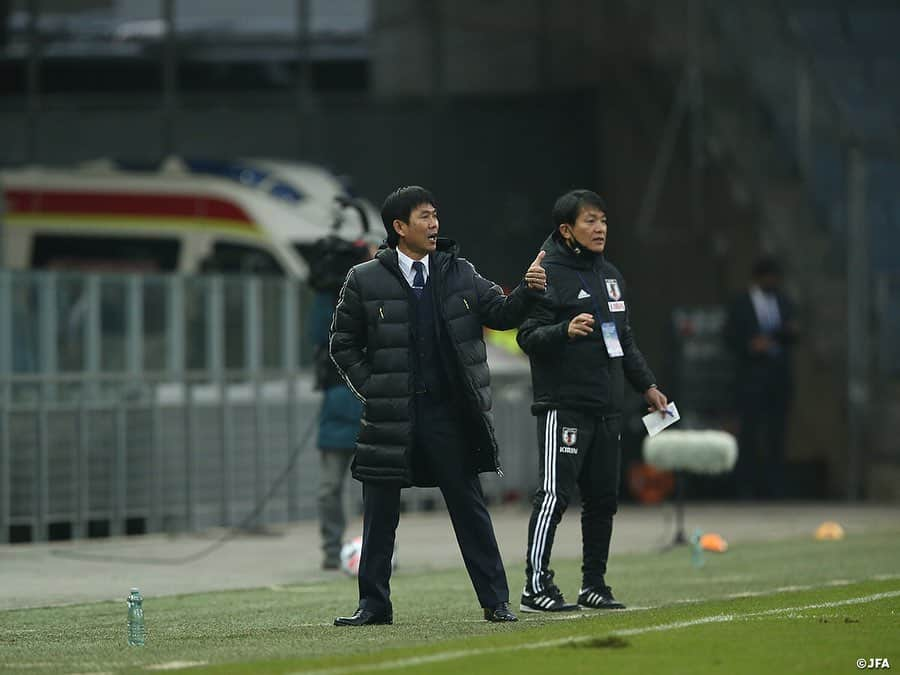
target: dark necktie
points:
(418, 284)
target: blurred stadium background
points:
(157, 379)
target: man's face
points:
(418, 237)
(588, 231)
(769, 282)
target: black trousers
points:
(760, 465)
(441, 446)
(583, 449)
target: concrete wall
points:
(466, 46)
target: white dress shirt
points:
(407, 268)
(766, 307)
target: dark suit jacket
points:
(762, 376)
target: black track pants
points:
(583, 449)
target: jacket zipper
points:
(439, 306)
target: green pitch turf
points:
(796, 606)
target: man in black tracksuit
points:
(407, 338)
(582, 350)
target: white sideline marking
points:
(824, 605)
(780, 589)
(715, 618)
(886, 577)
(176, 665)
(723, 618)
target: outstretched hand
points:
(536, 276)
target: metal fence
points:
(136, 404)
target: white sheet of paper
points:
(656, 422)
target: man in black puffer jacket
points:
(582, 350)
(407, 338)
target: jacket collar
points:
(558, 252)
(440, 260)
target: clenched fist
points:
(581, 325)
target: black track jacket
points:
(577, 373)
(370, 344)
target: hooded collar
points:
(558, 252)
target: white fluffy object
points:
(708, 452)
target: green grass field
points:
(796, 606)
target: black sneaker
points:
(598, 597)
(548, 600)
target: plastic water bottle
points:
(135, 618)
(696, 549)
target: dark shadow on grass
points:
(845, 619)
(612, 642)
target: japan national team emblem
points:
(612, 288)
(570, 435)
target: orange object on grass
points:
(829, 531)
(713, 542)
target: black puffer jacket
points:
(370, 344)
(578, 373)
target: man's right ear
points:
(566, 231)
(399, 227)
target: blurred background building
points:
(717, 131)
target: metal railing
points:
(166, 403)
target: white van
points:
(185, 216)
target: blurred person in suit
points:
(760, 331)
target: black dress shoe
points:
(365, 617)
(500, 613)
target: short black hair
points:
(399, 206)
(766, 266)
(570, 204)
